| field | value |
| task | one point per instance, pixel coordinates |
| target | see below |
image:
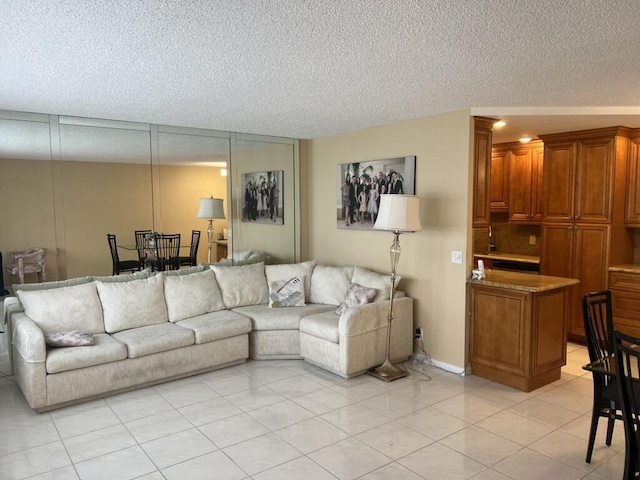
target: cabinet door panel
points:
(556, 250)
(632, 210)
(594, 177)
(537, 185)
(520, 165)
(559, 181)
(500, 180)
(482, 171)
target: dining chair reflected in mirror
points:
(627, 355)
(192, 259)
(167, 251)
(142, 245)
(120, 265)
(598, 325)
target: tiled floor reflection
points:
(290, 420)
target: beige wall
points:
(442, 145)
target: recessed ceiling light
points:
(499, 124)
(525, 139)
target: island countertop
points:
(527, 282)
(627, 268)
(514, 257)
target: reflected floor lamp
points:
(211, 209)
(398, 214)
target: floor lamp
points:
(210, 209)
(398, 214)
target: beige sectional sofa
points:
(149, 328)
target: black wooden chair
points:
(167, 251)
(598, 325)
(120, 265)
(192, 259)
(627, 355)
(142, 245)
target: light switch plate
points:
(456, 257)
(532, 239)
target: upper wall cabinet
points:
(482, 171)
(499, 179)
(632, 203)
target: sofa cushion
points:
(217, 325)
(265, 318)
(286, 271)
(64, 309)
(185, 271)
(287, 293)
(370, 279)
(244, 285)
(125, 277)
(155, 338)
(329, 284)
(356, 295)
(322, 325)
(76, 338)
(50, 285)
(104, 350)
(133, 304)
(191, 295)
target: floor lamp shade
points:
(398, 213)
(210, 209)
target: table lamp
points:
(398, 214)
(210, 209)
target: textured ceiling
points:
(305, 68)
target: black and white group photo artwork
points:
(361, 184)
(263, 201)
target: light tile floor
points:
(289, 420)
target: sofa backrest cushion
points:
(287, 271)
(242, 286)
(125, 277)
(133, 304)
(370, 279)
(49, 285)
(191, 295)
(185, 271)
(64, 309)
(329, 285)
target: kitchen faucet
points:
(492, 246)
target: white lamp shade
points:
(211, 208)
(399, 213)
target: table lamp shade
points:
(211, 208)
(399, 213)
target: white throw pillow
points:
(133, 304)
(275, 273)
(287, 293)
(243, 285)
(329, 285)
(191, 295)
(64, 309)
(370, 279)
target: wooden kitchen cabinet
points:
(632, 203)
(525, 182)
(518, 334)
(625, 299)
(499, 196)
(482, 171)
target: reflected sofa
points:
(154, 327)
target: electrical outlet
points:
(532, 239)
(418, 336)
(456, 256)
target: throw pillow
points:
(191, 295)
(289, 270)
(287, 293)
(64, 309)
(356, 295)
(241, 286)
(69, 339)
(329, 285)
(368, 278)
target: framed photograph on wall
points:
(262, 201)
(361, 184)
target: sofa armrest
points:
(372, 316)
(11, 306)
(28, 339)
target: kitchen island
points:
(518, 333)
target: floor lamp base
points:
(387, 372)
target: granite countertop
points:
(627, 268)
(516, 257)
(527, 282)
